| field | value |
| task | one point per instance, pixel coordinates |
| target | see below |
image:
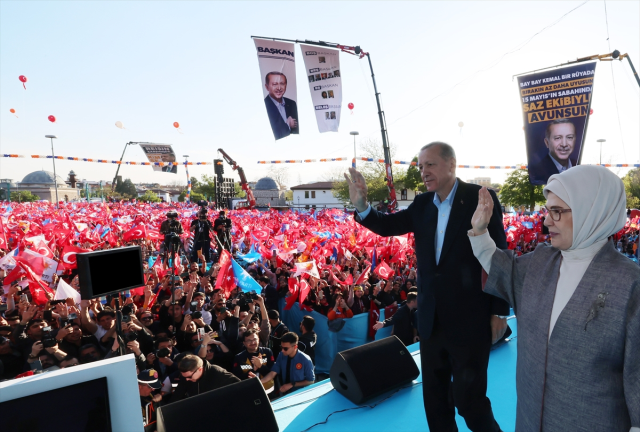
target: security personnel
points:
(148, 382)
(293, 367)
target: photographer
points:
(222, 226)
(201, 228)
(172, 229)
(163, 358)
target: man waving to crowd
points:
(457, 322)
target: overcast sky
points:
(149, 64)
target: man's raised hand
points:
(357, 189)
(482, 215)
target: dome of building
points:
(42, 177)
(267, 183)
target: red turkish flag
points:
(3, 238)
(383, 271)
(68, 256)
(295, 286)
(364, 276)
(38, 294)
(305, 288)
(225, 280)
(42, 248)
(135, 233)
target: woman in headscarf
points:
(578, 307)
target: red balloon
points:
(591, 111)
(351, 105)
(52, 119)
(23, 79)
(176, 125)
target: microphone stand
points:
(119, 336)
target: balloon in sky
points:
(23, 79)
(460, 124)
(351, 105)
(591, 111)
(176, 125)
(52, 119)
(119, 125)
(12, 111)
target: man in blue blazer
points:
(282, 111)
(457, 321)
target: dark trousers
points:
(441, 360)
(205, 247)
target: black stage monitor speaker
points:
(109, 271)
(242, 406)
(356, 372)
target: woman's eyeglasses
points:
(556, 213)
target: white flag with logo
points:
(308, 267)
(322, 66)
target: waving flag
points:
(68, 256)
(243, 279)
(135, 233)
(251, 256)
(364, 276)
(41, 265)
(294, 290)
(225, 280)
(3, 239)
(305, 288)
(308, 267)
(383, 271)
(65, 291)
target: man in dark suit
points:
(282, 111)
(457, 321)
(560, 139)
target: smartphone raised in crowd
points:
(200, 333)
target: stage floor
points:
(397, 410)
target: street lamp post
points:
(186, 168)
(53, 158)
(601, 141)
(354, 133)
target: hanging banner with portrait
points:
(278, 75)
(555, 108)
(322, 66)
(160, 153)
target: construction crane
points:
(251, 200)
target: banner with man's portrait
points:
(160, 153)
(278, 75)
(555, 109)
(322, 66)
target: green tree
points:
(195, 196)
(632, 188)
(149, 196)
(241, 193)
(126, 188)
(24, 196)
(195, 183)
(413, 180)
(206, 187)
(374, 174)
(517, 191)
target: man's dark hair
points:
(160, 340)
(105, 313)
(308, 322)
(190, 363)
(411, 296)
(264, 279)
(33, 321)
(273, 314)
(290, 337)
(446, 151)
(266, 78)
(89, 346)
(547, 132)
(249, 333)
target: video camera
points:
(245, 299)
(48, 341)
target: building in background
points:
(268, 193)
(315, 195)
(481, 181)
(43, 184)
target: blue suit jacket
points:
(540, 172)
(278, 126)
(452, 289)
